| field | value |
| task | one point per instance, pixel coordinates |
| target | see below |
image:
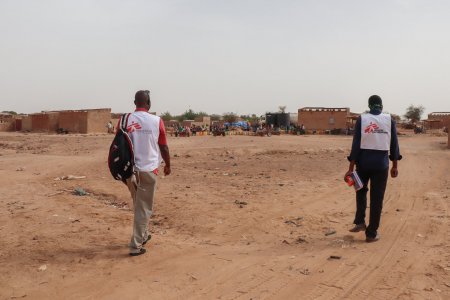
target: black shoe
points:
(372, 239)
(148, 239)
(142, 251)
(358, 228)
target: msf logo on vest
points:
(373, 128)
(133, 127)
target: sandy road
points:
(206, 246)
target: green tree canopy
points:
(414, 113)
(167, 116)
(230, 117)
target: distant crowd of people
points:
(187, 131)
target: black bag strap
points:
(124, 122)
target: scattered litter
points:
(294, 221)
(54, 194)
(192, 276)
(330, 232)
(240, 203)
(286, 242)
(69, 177)
(430, 289)
(80, 192)
(335, 257)
(76, 220)
(17, 297)
(20, 169)
(300, 240)
(305, 272)
(42, 268)
(419, 235)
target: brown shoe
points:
(358, 228)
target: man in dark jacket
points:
(375, 136)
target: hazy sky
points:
(224, 56)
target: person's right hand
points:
(394, 172)
(167, 170)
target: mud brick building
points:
(85, 121)
(7, 122)
(26, 123)
(324, 118)
(437, 120)
(45, 121)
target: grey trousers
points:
(142, 187)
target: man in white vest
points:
(148, 136)
(374, 143)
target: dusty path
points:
(205, 246)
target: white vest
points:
(376, 132)
(143, 129)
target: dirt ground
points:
(240, 218)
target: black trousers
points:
(378, 180)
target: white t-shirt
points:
(376, 131)
(144, 130)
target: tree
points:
(396, 117)
(9, 112)
(202, 114)
(230, 117)
(215, 117)
(282, 109)
(189, 115)
(414, 113)
(166, 116)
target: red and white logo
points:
(371, 128)
(133, 127)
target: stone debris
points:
(304, 272)
(240, 203)
(300, 240)
(330, 232)
(80, 192)
(294, 221)
(42, 268)
(69, 177)
(335, 257)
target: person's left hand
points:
(167, 170)
(394, 172)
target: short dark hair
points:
(375, 100)
(142, 96)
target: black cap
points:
(375, 100)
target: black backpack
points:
(121, 155)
